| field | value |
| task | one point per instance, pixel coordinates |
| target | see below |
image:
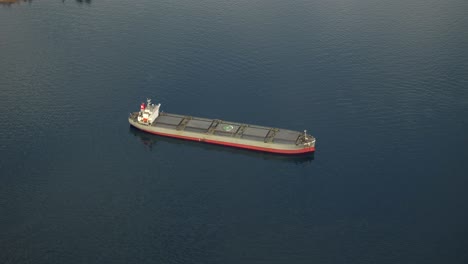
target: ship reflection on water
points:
(81, 1)
(9, 2)
(151, 141)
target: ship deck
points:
(222, 128)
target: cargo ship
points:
(215, 131)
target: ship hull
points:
(226, 133)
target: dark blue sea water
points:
(382, 85)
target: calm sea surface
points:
(382, 85)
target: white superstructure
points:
(148, 113)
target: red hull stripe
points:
(282, 151)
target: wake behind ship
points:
(215, 131)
